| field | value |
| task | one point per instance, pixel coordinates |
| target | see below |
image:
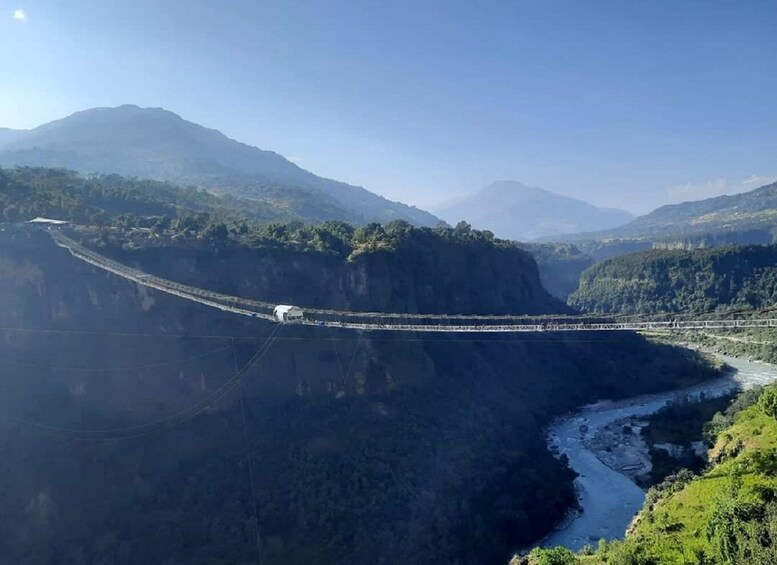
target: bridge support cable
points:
(403, 322)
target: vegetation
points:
(750, 343)
(336, 447)
(681, 281)
(740, 219)
(428, 449)
(681, 423)
(725, 515)
(104, 200)
(128, 140)
(560, 266)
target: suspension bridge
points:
(400, 322)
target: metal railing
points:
(391, 321)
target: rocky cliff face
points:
(440, 277)
(335, 446)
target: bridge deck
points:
(384, 321)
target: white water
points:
(608, 498)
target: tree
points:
(552, 556)
(216, 232)
(768, 402)
(726, 528)
(462, 228)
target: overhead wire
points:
(250, 460)
(111, 369)
(176, 419)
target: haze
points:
(623, 104)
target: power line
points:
(250, 458)
(161, 424)
(109, 369)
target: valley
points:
(390, 283)
(444, 426)
(610, 499)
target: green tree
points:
(552, 556)
(768, 402)
(726, 528)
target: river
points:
(608, 498)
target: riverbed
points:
(608, 498)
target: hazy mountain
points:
(158, 144)
(749, 217)
(516, 211)
(8, 135)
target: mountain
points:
(516, 211)
(7, 135)
(749, 217)
(158, 144)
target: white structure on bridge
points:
(286, 313)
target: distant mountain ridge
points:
(158, 144)
(516, 211)
(749, 217)
(7, 135)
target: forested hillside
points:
(429, 450)
(158, 144)
(172, 213)
(335, 446)
(681, 281)
(26, 192)
(741, 219)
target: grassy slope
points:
(673, 529)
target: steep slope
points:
(354, 445)
(158, 144)
(27, 192)
(560, 266)
(746, 218)
(727, 514)
(515, 211)
(681, 281)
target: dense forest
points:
(27, 192)
(681, 281)
(336, 447)
(428, 449)
(153, 143)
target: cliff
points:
(335, 446)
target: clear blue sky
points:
(624, 103)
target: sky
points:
(629, 104)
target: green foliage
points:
(727, 526)
(552, 556)
(681, 281)
(27, 192)
(768, 402)
(680, 422)
(726, 515)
